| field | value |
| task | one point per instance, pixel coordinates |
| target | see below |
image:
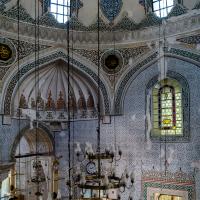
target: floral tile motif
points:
(49, 20)
(111, 8)
(23, 15)
(120, 90)
(102, 26)
(126, 23)
(127, 53)
(197, 6)
(168, 180)
(177, 10)
(75, 24)
(25, 49)
(150, 20)
(2, 7)
(193, 39)
(76, 5)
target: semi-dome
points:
(48, 90)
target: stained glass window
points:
(167, 108)
(61, 10)
(162, 7)
(169, 197)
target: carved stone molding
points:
(189, 22)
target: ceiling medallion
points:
(7, 52)
(111, 8)
(112, 61)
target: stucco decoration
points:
(111, 9)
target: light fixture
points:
(102, 180)
(100, 175)
(38, 172)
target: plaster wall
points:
(189, 4)
(30, 7)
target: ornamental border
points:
(21, 133)
(189, 188)
(58, 55)
(10, 61)
(185, 105)
(181, 54)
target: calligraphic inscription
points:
(112, 61)
(5, 52)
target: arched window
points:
(167, 108)
(61, 10)
(162, 7)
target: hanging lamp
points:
(98, 180)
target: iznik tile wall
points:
(8, 134)
(129, 130)
(138, 153)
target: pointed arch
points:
(59, 54)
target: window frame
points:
(185, 136)
(164, 8)
(160, 106)
(62, 14)
(156, 115)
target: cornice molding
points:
(174, 27)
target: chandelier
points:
(38, 176)
(100, 177)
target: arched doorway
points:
(34, 148)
